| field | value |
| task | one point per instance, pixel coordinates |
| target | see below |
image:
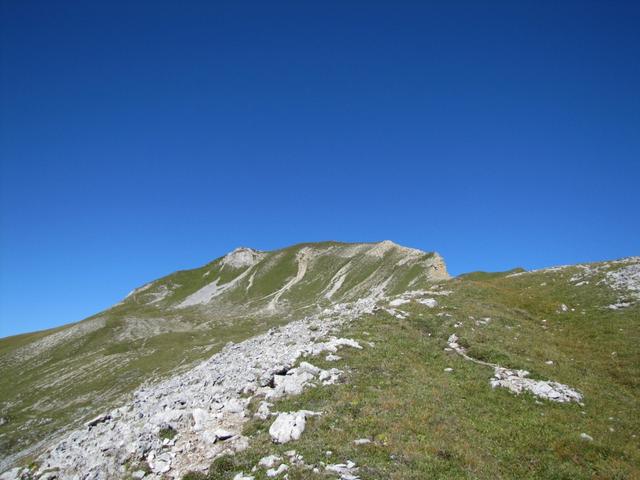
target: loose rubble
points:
(207, 405)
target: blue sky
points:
(138, 138)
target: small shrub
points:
(167, 432)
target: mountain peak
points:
(242, 257)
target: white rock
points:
(289, 384)
(288, 427)
(274, 472)
(200, 418)
(362, 441)
(308, 368)
(207, 396)
(242, 476)
(517, 382)
(263, 411)
(448, 369)
(398, 301)
(235, 406)
(13, 474)
(585, 437)
(161, 463)
(429, 302)
(269, 461)
(347, 471)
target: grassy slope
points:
(84, 376)
(428, 423)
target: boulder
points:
(200, 418)
(287, 427)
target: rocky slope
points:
(208, 363)
(56, 379)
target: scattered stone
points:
(274, 472)
(138, 474)
(586, 438)
(161, 463)
(204, 405)
(448, 369)
(517, 382)
(429, 302)
(308, 368)
(619, 305)
(269, 461)
(242, 476)
(332, 358)
(362, 441)
(398, 301)
(346, 471)
(263, 411)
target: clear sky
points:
(138, 138)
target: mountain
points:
(215, 368)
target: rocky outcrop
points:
(242, 257)
(517, 382)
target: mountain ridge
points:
(253, 314)
(109, 353)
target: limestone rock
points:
(269, 461)
(287, 427)
(274, 472)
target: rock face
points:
(242, 257)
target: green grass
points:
(427, 423)
(168, 433)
